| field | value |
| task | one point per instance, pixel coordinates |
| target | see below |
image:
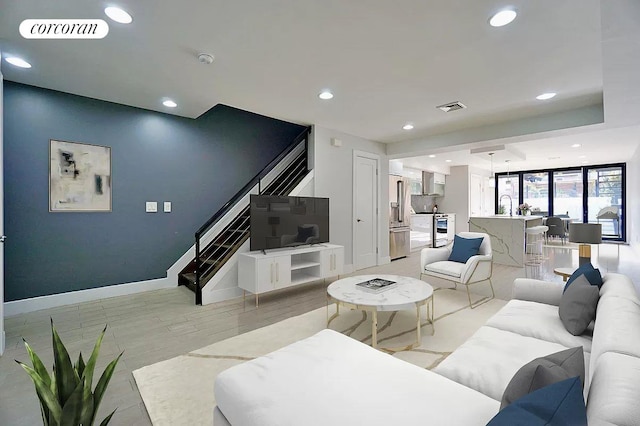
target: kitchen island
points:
(507, 236)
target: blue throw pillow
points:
(591, 274)
(464, 248)
(559, 404)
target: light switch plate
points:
(167, 206)
(152, 206)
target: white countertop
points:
(503, 217)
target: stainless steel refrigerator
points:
(399, 217)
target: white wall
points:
(334, 179)
(633, 201)
(456, 197)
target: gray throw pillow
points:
(578, 305)
(544, 371)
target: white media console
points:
(260, 272)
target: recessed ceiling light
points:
(118, 15)
(18, 62)
(407, 126)
(502, 18)
(447, 161)
(169, 103)
(326, 95)
(432, 156)
(576, 145)
(545, 96)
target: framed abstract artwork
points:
(79, 177)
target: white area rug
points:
(179, 391)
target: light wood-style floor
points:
(158, 325)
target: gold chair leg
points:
(469, 296)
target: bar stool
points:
(535, 237)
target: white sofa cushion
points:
(489, 359)
(329, 378)
(537, 320)
(617, 328)
(447, 268)
(615, 393)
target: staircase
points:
(280, 177)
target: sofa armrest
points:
(432, 255)
(537, 291)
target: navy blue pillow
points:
(559, 404)
(590, 273)
(464, 248)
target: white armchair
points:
(434, 262)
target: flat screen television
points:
(280, 221)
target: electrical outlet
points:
(167, 206)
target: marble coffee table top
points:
(408, 292)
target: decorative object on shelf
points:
(79, 177)
(585, 234)
(524, 209)
(66, 398)
(501, 209)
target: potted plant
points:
(524, 209)
(66, 398)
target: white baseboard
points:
(383, 260)
(52, 301)
(223, 294)
(347, 269)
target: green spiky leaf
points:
(37, 364)
(103, 383)
(66, 377)
(107, 419)
(44, 392)
(72, 409)
(80, 365)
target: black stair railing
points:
(302, 137)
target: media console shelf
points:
(260, 273)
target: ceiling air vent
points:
(452, 106)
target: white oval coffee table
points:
(410, 293)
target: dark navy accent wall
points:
(198, 165)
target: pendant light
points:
(508, 181)
(492, 179)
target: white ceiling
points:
(387, 63)
(596, 147)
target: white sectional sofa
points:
(332, 379)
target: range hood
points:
(433, 184)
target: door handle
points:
(358, 220)
(277, 272)
(3, 238)
(271, 275)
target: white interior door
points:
(475, 195)
(365, 217)
(2, 334)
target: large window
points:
(590, 194)
(604, 203)
(508, 193)
(567, 194)
(535, 192)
